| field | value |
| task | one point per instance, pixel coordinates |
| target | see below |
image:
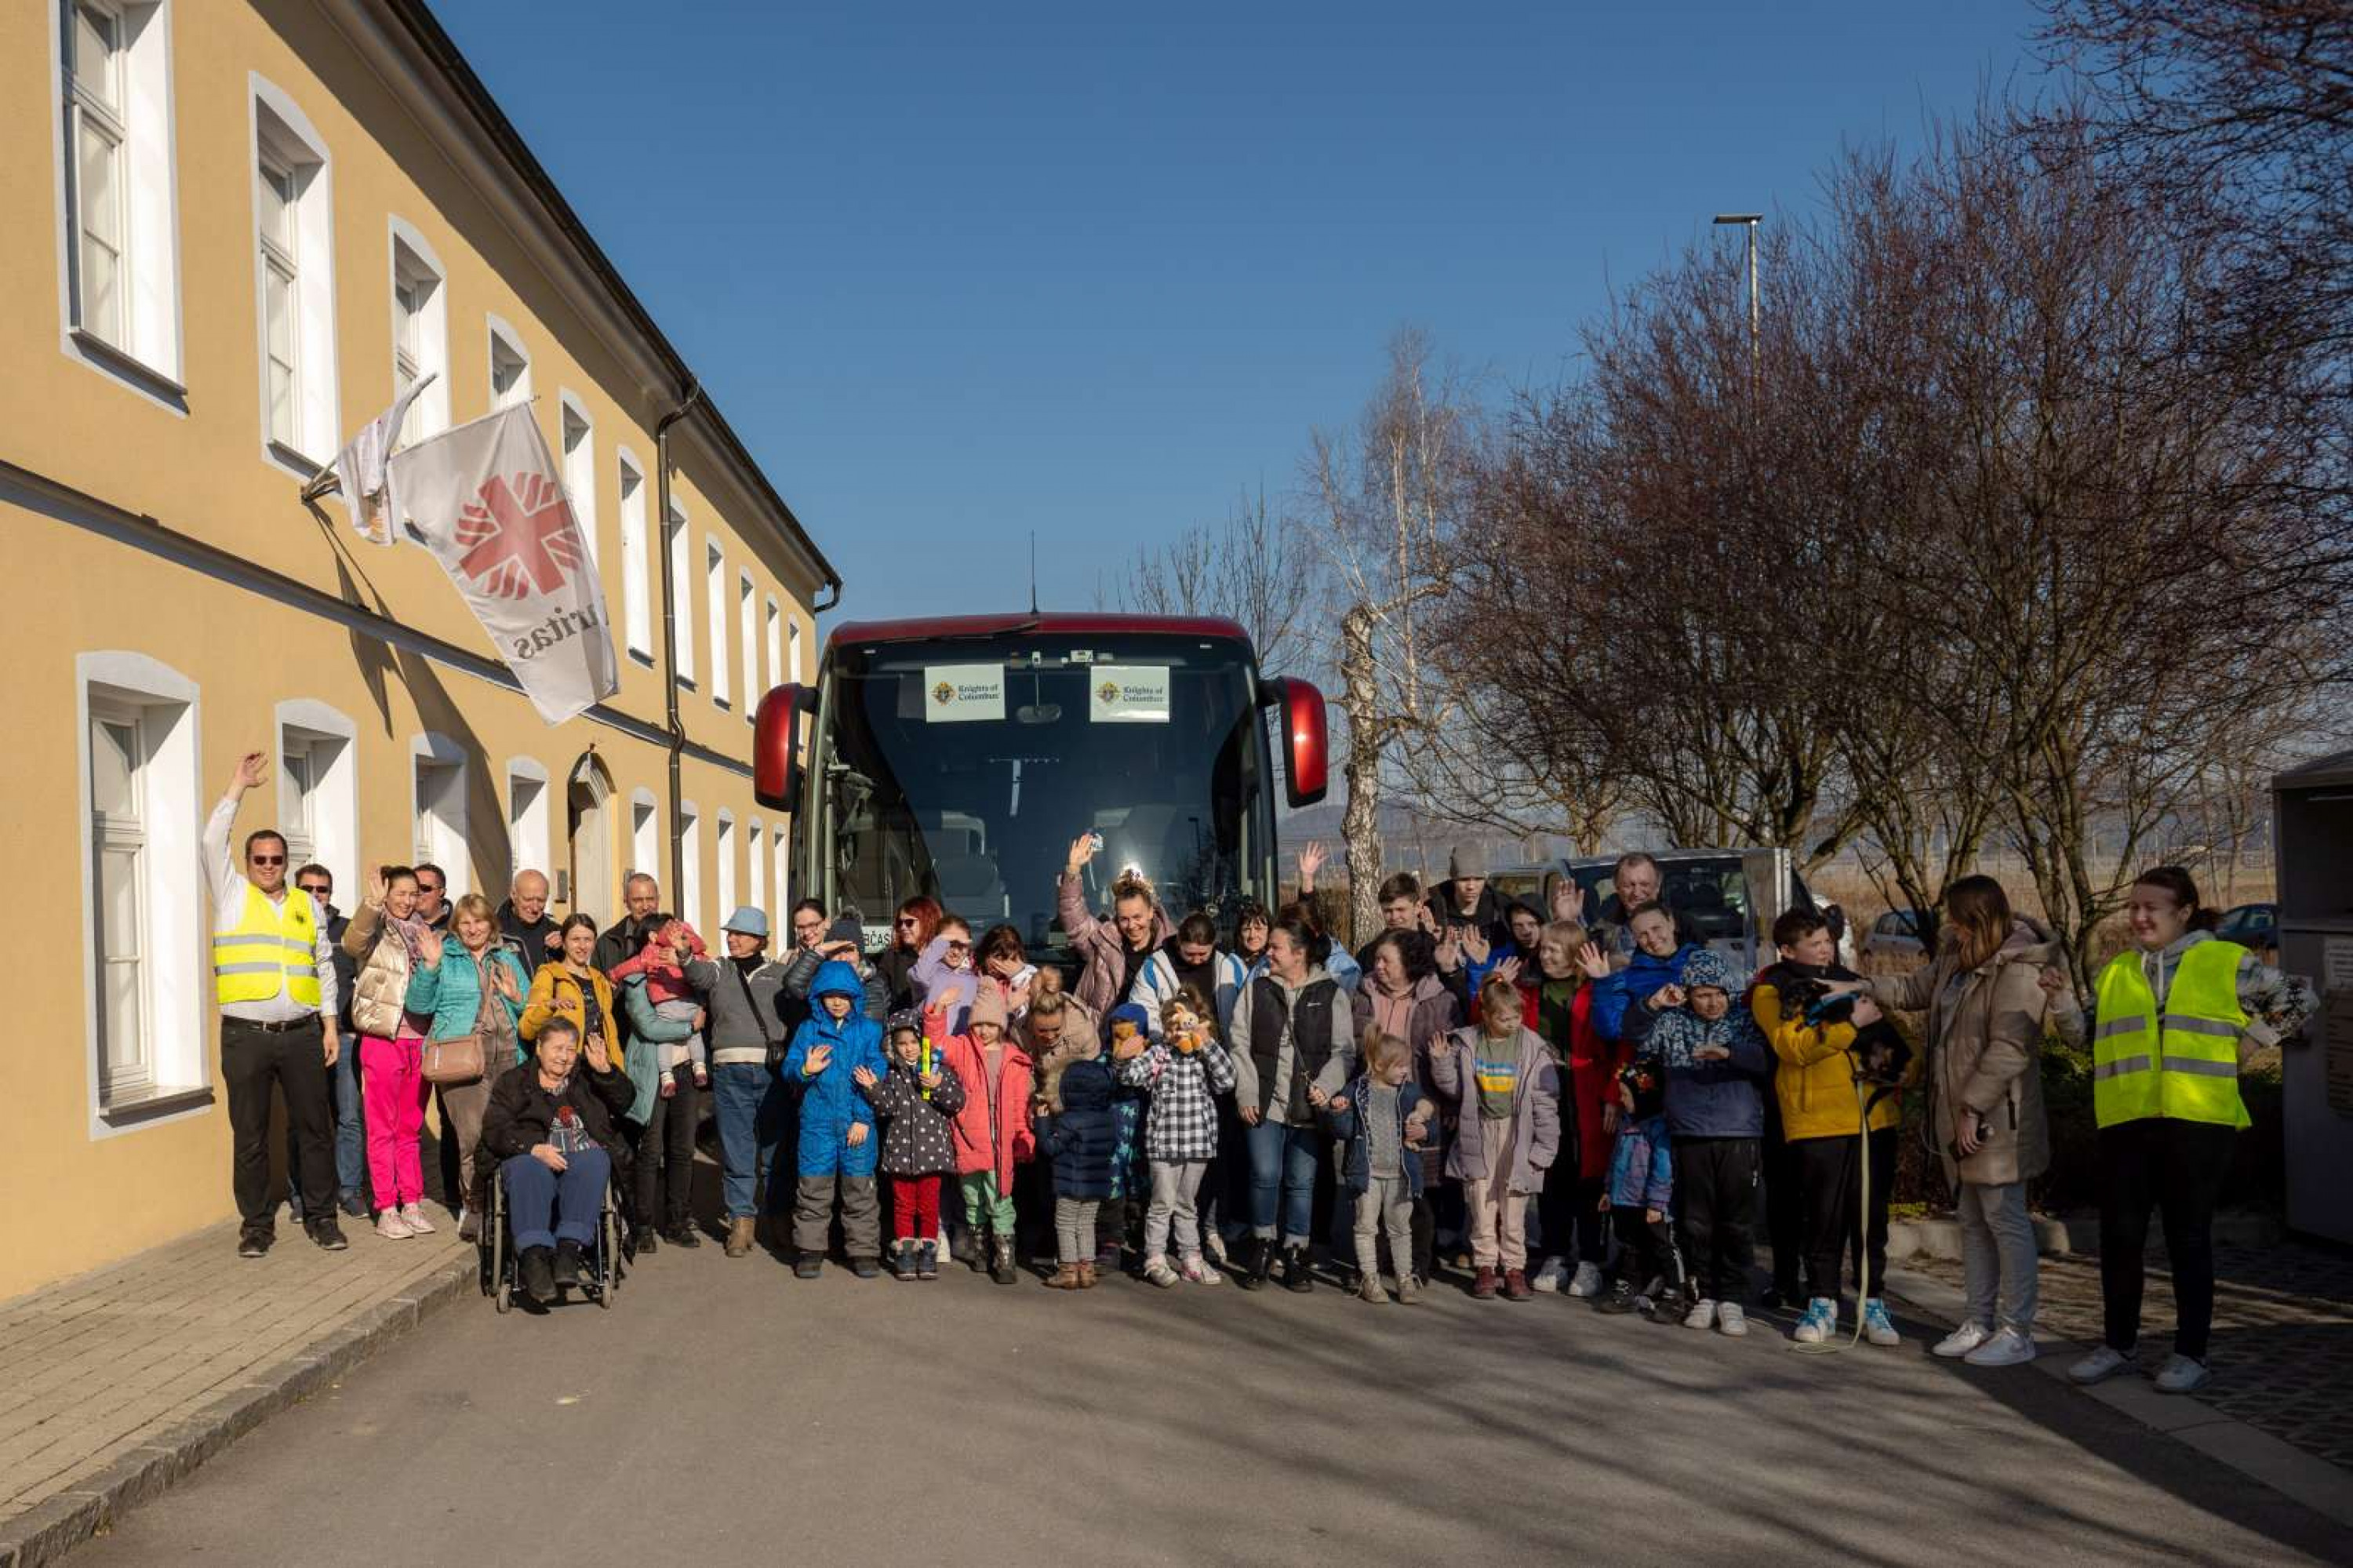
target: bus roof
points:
(1018, 623)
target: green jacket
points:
(449, 994)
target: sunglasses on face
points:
(316, 890)
(959, 947)
(267, 859)
(910, 924)
(432, 887)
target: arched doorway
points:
(588, 888)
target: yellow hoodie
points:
(1814, 1080)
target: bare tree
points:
(1257, 567)
(1389, 497)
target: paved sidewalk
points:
(2283, 1344)
(114, 1384)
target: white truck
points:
(1728, 898)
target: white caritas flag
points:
(485, 499)
(359, 469)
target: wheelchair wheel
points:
(609, 1242)
(495, 1233)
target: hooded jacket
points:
(1814, 1079)
(1716, 1096)
(1083, 1139)
(1618, 996)
(1985, 1046)
(1269, 1054)
(1100, 944)
(1157, 985)
(1535, 1109)
(831, 1103)
(1356, 1159)
(992, 1132)
(918, 1135)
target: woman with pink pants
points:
(384, 937)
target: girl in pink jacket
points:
(992, 1132)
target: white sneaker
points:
(1588, 1280)
(2102, 1364)
(1548, 1277)
(1701, 1316)
(1730, 1319)
(1961, 1342)
(2007, 1348)
(1196, 1271)
(392, 1227)
(2181, 1375)
(1819, 1323)
(413, 1216)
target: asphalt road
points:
(724, 1412)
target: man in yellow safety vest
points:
(274, 977)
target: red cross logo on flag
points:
(518, 536)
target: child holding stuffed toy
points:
(1382, 1121)
(1184, 1071)
(1081, 1140)
(1638, 1199)
(1828, 1041)
(918, 1098)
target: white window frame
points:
(578, 458)
(682, 575)
(528, 812)
(327, 822)
(747, 614)
(724, 847)
(142, 346)
(175, 900)
(689, 897)
(776, 639)
(779, 893)
(755, 864)
(499, 336)
(415, 268)
(714, 584)
(284, 139)
(441, 838)
(792, 650)
(645, 834)
(637, 593)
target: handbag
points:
(776, 1048)
(463, 1058)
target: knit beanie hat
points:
(1467, 860)
(1706, 966)
(988, 1006)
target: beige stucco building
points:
(229, 232)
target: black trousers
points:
(2174, 1169)
(1647, 1251)
(1785, 1211)
(1829, 1186)
(1715, 1188)
(665, 1155)
(252, 1059)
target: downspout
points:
(691, 396)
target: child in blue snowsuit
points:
(837, 1144)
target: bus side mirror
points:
(777, 746)
(1307, 757)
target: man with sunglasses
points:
(433, 896)
(344, 1079)
(274, 978)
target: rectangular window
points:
(689, 897)
(714, 572)
(280, 333)
(526, 819)
(682, 648)
(509, 369)
(637, 598)
(726, 866)
(120, 247)
(645, 845)
(580, 474)
(420, 333)
(747, 620)
(755, 863)
(318, 790)
(793, 651)
(297, 808)
(776, 676)
(779, 860)
(440, 817)
(95, 68)
(119, 758)
(294, 288)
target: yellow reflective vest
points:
(271, 942)
(2184, 1064)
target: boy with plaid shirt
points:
(1184, 1070)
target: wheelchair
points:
(601, 1264)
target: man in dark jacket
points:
(343, 1078)
(1401, 907)
(1465, 899)
(524, 926)
(641, 896)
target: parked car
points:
(1709, 889)
(2254, 926)
(1895, 936)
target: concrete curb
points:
(2314, 1483)
(51, 1528)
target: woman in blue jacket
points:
(837, 1146)
(1625, 1003)
(472, 984)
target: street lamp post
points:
(1748, 220)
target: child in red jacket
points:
(992, 1132)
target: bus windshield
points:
(956, 769)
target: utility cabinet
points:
(2313, 847)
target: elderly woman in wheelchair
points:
(550, 1126)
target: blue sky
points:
(1076, 269)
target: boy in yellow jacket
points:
(1831, 1050)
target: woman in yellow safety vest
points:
(2174, 1015)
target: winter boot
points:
(1065, 1277)
(927, 1260)
(1257, 1261)
(1087, 1273)
(1368, 1288)
(1295, 1273)
(1000, 1260)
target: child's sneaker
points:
(392, 1227)
(808, 1266)
(413, 1216)
(865, 1267)
(1515, 1286)
(1586, 1280)
(1619, 1299)
(1368, 1289)
(1483, 1284)
(1701, 1314)
(1730, 1319)
(1550, 1274)
(927, 1260)
(1408, 1289)
(1819, 1323)
(1957, 1345)
(903, 1260)
(1877, 1327)
(1196, 1271)
(1156, 1270)
(1065, 1277)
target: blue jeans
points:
(544, 1208)
(1282, 1161)
(752, 1111)
(351, 1136)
